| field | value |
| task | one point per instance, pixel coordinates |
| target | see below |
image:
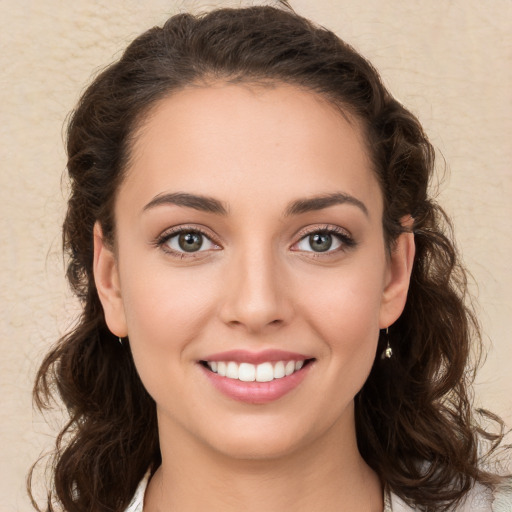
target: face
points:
(250, 270)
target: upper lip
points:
(245, 356)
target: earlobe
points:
(399, 273)
(106, 278)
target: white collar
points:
(479, 499)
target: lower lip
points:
(257, 392)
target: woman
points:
(274, 314)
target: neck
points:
(328, 475)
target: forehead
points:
(236, 140)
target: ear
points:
(398, 276)
(106, 277)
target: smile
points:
(248, 372)
(256, 378)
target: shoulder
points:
(137, 503)
(479, 499)
(484, 499)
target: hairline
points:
(210, 80)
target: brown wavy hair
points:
(415, 425)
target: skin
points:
(258, 285)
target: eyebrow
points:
(212, 205)
(323, 201)
(197, 202)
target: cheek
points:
(165, 310)
(343, 309)
(162, 300)
(350, 334)
(349, 326)
(345, 302)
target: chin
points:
(255, 448)
(264, 440)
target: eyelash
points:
(346, 241)
(163, 240)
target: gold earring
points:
(388, 351)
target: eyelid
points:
(162, 240)
(346, 239)
(343, 235)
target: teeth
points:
(290, 368)
(264, 372)
(247, 372)
(221, 368)
(232, 370)
(279, 371)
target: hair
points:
(414, 419)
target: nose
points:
(255, 295)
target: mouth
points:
(266, 371)
(256, 377)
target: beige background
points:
(448, 60)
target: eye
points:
(319, 242)
(186, 241)
(324, 241)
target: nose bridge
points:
(255, 294)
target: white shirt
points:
(479, 499)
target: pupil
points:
(320, 242)
(190, 242)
